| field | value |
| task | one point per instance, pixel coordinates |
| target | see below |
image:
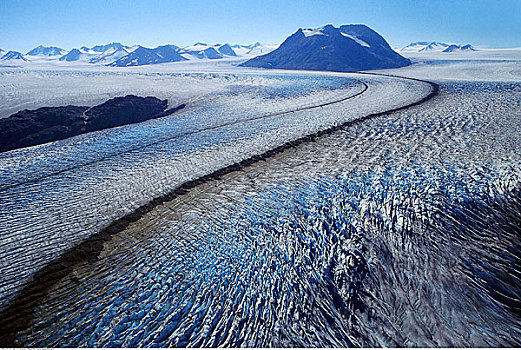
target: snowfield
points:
(398, 230)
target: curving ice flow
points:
(401, 230)
(55, 195)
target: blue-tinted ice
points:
(402, 230)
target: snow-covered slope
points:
(117, 54)
(253, 49)
(205, 51)
(111, 55)
(101, 54)
(47, 51)
(421, 46)
(226, 50)
(435, 46)
(105, 48)
(73, 55)
(459, 48)
(143, 56)
(13, 56)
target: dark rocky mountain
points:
(46, 51)
(459, 48)
(168, 52)
(468, 47)
(452, 48)
(103, 48)
(227, 50)
(142, 56)
(212, 54)
(251, 46)
(34, 127)
(346, 49)
(13, 55)
(111, 56)
(73, 55)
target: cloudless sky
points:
(25, 24)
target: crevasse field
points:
(397, 229)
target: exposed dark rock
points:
(34, 127)
(346, 49)
(13, 55)
(227, 50)
(73, 55)
(102, 48)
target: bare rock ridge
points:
(348, 48)
(46, 124)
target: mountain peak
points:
(73, 55)
(436, 46)
(345, 49)
(227, 50)
(13, 55)
(143, 56)
(46, 51)
(103, 48)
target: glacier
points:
(398, 230)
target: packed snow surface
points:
(359, 41)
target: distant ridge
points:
(116, 54)
(13, 56)
(46, 51)
(436, 46)
(143, 56)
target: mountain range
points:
(119, 55)
(348, 48)
(436, 46)
(142, 56)
(46, 51)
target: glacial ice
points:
(55, 195)
(398, 231)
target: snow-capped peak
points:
(13, 55)
(436, 46)
(46, 51)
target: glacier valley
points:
(354, 209)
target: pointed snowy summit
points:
(435, 46)
(227, 50)
(13, 56)
(73, 55)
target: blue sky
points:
(25, 24)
